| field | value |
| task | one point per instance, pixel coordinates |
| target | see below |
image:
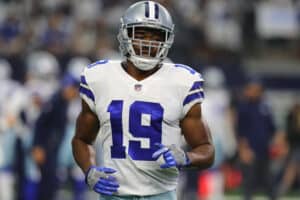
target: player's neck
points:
(137, 73)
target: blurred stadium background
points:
(229, 41)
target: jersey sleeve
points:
(86, 92)
(193, 92)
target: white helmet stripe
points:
(151, 10)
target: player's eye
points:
(146, 34)
(140, 35)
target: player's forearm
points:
(202, 156)
(83, 153)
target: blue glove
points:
(100, 180)
(173, 156)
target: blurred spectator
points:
(105, 48)
(255, 129)
(42, 74)
(49, 132)
(292, 172)
(87, 11)
(11, 129)
(277, 20)
(112, 12)
(216, 111)
(84, 38)
(55, 33)
(7, 138)
(222, 29)
(42, 77)
(11, 32)
(13, 40)
(68, 170)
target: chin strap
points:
(144, 64)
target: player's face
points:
(253, 91)
(70, 92)
(147, 41)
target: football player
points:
(10, 128)
(141, 107)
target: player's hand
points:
(100, 180)
(173, 156)
(39, 155)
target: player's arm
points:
(98, 178)
(195, 131)
(87, 127)
(198, 137)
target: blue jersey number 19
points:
(145, 121)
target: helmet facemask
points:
(145, 54)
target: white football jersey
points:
(134, 115)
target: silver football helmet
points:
(145, 14)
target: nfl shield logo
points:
(137, 87)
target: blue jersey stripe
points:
(197, 85)
(147, 9)
(99, 62)
(87, 93)
(192, 97)
(156, 11)
(83, 80)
